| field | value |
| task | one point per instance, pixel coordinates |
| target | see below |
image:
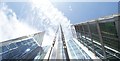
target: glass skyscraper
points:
(96, 39)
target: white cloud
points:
(54, 16)
(42, 15)
(10, 26)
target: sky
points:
(76, 12)
(24, 18)
(85, 11)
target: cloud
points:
(10, 26)
(54, 16)
(42, 15)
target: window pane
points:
(19, 43)
(4, 49)
(109, 34)
(110, 38)
(11, 46)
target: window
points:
(11, 46)
(109, 34)
(95, 36)
(94, 31)
(24, 42)
(19, 43)
(4, 49)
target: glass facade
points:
(109, 34)
(41, 55)
(20, 48)
(110, 37)
(91, 38)
(76, 51)
(101, 36)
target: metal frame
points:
(83, 30)
(79, 31)
(97, 22)
(117, 23)
(90, 36)
(101, 39)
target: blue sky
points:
(75, 11)
(85, 11)
(20, 8)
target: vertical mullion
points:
(117, 24)
(84, 34)
(76, 30)
(79, 31)
(101, 39)
(91, 36)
